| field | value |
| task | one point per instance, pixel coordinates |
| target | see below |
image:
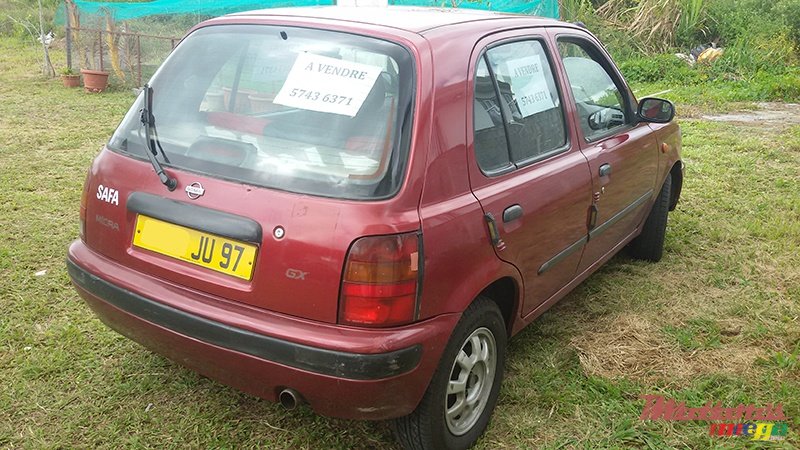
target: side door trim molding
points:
(550, 263)
(596, 231)
(572, 248)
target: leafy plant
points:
(691, 24)
(790, 10)
(786, 360)
(19, 18)
(575, 10)
(656, 68)
(658, 25)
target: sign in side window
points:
(320, 83)
(529, 85)
(530, 100)
(599, 102)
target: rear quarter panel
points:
(459, 259)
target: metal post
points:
(139, 57)
(100, 41)
(124, 37)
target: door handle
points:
(605, 169)
(513, 212)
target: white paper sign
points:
(529, 85)
(319, 83)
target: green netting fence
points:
(136, 10)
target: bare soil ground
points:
(769, 114)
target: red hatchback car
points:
(355, 208)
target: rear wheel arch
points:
(504, 292)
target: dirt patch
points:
(765, 114)
(631, 346)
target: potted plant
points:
(94, 80)
(70, 78)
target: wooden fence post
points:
(68, 31)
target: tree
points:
(47, 66)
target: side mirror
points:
(655, 110)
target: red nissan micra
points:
(355, 208)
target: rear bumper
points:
(340, 371)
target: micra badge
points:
(195, 190)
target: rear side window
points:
(302, 110)
(491, 146)
(518, 115)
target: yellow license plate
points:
(217, 253)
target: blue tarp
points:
(127, 11)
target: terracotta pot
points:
(215, 101)
(242, 100)
(94, 80)
(71, 81)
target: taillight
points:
(380, 281)
(84, 198)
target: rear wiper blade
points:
(149, 122)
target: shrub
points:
(790, 10)
(761, 39)
(657, 68)
(656, 25)
(757, 34)
(20, 18)
(785, 87)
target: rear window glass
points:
(303, 110)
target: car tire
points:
(649, 245)
(471, 369)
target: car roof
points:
(410, 18)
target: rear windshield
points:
(303, 110)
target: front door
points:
(526, 169)
(622, 153)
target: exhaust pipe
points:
(290, 398)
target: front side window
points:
(302, 110)
(600, 103)
(516, 95)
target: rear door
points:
(622, 153)
(530, 177)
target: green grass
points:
(717, 319)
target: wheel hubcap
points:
(471, 380)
